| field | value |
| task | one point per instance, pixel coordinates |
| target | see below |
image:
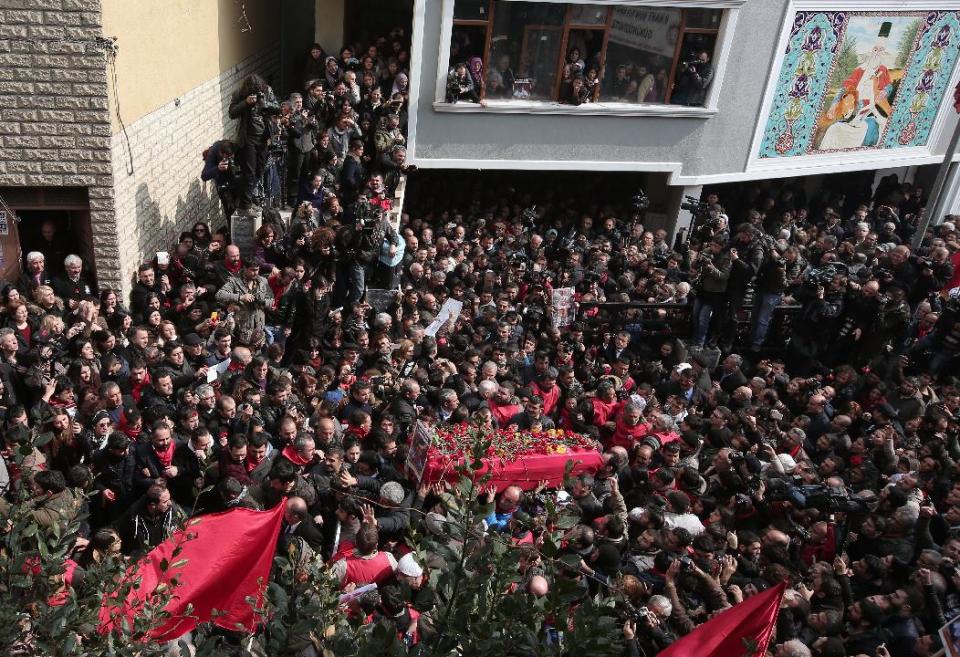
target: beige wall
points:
(329, 25)
(168, 48)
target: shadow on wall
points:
(159, 232)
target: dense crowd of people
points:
(224, 381)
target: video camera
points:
(828, 499)
(694, 206)
(823, 276)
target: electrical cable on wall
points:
(112, 62)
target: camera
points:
(824, 276)
(233, 168)
(640, 201)
(883, 274)
(367, 215)
(694, 205)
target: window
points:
(506, 50)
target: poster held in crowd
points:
(950, 635)
(214, 372)
(421, 440)
(563, 311)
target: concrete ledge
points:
(588, 109)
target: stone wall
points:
(54, 120)
(165, 195)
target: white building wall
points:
(164, 194)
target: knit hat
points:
(100, 415)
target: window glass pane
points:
(640, 53)
(472, 10)
(525, 48)
(704, 18)
(694, 70)
(588, 15)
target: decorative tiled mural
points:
(854, 81)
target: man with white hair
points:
(75, 284)
(36, 274)
(792, 648)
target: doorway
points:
(56, 234)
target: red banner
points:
(741, 631)
(220, 562)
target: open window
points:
(505, 52)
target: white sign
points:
(651, 30)
(450, 311)
(4, 226)
(213, 373)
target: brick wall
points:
(54, 120)
(165, 195)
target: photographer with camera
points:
(358, 244)
(934, 273)
(691, 88)
(252, 106)
(460, 85)
(713, 273)
(220, 165)
(341, 133)
(746, 257)
(768, 291)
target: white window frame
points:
(721, 56)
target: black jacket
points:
(145, 459)
(308, 530)
(252, 120)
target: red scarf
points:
(136, 389)
(292, 455)
(250, 464)
(165, 457)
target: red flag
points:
(741, 631)
(223, 561)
